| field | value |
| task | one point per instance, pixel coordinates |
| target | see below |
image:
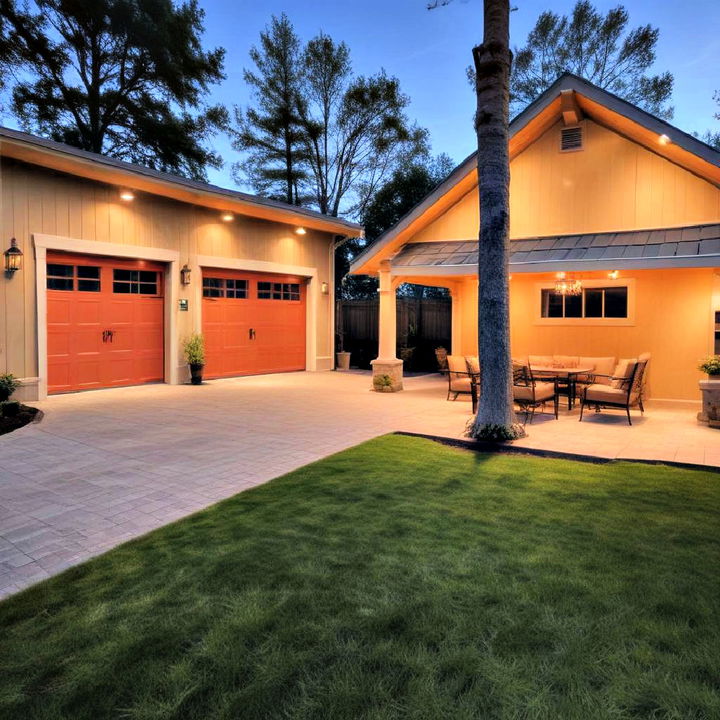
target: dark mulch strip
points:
(26, 415)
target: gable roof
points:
(600, 105)
(93, 166)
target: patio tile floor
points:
(105, 466)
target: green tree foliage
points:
(269, 133)
(120, 77)
(397, 196)
(600, 48)
(317, 134)
(712, 137)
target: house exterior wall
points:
(673, 321)
(612, 184)
(35, 201)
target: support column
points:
(456, 320)
(386, 365)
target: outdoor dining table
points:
(567, 376)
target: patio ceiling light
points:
(664, 139)
(227, 217)
(565, 285)
(300, 231)
(127, 195)
(13, 258)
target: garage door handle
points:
(251, 334)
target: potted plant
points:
(194, 349)
(441, 354)
(383, 383)
(710, 390)
(8, 385)
(342, 358)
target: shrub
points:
(194, 349)
(710, 365)
(8, 385)
(382, 381)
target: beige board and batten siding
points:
(611, 184)
(35, 200)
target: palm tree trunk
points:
(496, 417)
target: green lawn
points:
(399, 579)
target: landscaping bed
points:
(398, 579)
(16, 417)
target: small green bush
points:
(382, 381)
(8, 385)
(710, 365)
(194, 349)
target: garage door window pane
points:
(212, 287)
(264, 290)
(278, 291)
(236, 289)
(136, 282)
(59, 277)
(88, 278)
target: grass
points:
(399, 579)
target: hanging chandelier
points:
(565, 285)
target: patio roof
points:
(691, 246)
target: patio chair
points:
(529, 394)
(625, 390)
(459, 379)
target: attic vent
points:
(571, 139)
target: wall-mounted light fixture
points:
(185, 274)
(324, 288)
(13, 258)
(613, 274)
(127, 195)
(664, 139)
(227, 217)
(300, 231)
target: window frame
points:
(629, 283)
(282, 288)
(223, 289)
(74, 277)
(138, 283)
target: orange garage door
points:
(253, 323)
(105, 322)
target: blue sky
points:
(429, 51)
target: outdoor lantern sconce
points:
(324, 288)
(185, 275)
(13, 258)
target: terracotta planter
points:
(342, 361)
(196, 373)
(4, 394)
(710, 412)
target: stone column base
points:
(392, 368)
(710, 413)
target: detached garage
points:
(120, 264)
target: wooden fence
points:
(422, 324)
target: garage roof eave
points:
(64, 158)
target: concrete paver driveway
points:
(105, 466)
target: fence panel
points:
(422, 324)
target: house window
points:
(224, 287)
(278, 291)
(135, 282)
(84, 278)
(593, 302)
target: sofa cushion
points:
(604, 393)
(473, 364)
(565, 361)
(540, 360)
(460, 384)
(543, 391)
(624, 369)
(600, 366)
